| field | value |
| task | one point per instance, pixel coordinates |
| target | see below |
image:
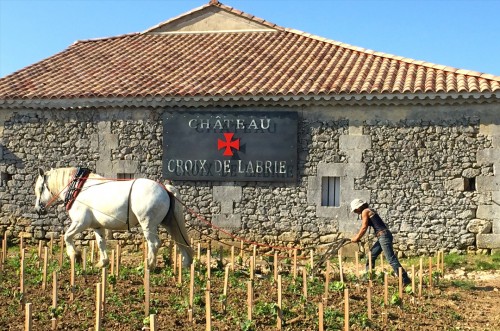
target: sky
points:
(462, 34)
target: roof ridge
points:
(107, 38)
(396, 57)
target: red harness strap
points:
(75, 187)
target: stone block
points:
(227, 221)
(488, 241)
(479, 226)
(487, 183)
(354, 142)
(488, 212)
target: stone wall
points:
(414, 171)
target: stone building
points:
(269, 132)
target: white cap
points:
(356, 203)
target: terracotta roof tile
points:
(261, 63)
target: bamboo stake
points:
(72, 279)
(208, 309)
(44, 270)
(346, 309)
(191, 293)
(98, 307)
(320, 316)
(27, 317)
(249, 299)
(280, 315)
(146, 291)
(152, 323)
(54, 298)
(369, 299)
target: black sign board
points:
(230, 146)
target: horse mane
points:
(59, 178)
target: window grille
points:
(330, 191)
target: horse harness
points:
(75, 187)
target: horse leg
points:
(101, 243)
(153, 245)
(73, 230)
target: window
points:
(330, 191)
(469, 184)
(125, 176)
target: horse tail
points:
(174, 222)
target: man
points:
(369, 217)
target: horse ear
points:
(41, 172)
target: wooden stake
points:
(92, 244)
(191, 293)
(400, 283)
(420, 276)
(232, 258)
(27, 317)
(98, 307)
(356, 257)
(442, 263)
(61, 253)
(311, 259)
(208, 310)
(280, 313)
(386, 290)
(54, 298)
(112, 266)
(118, 259)
(327, 282)
(104, 280)
(430, 271)
(39, 253)
(252, 263)
(44, 270)
(84, 259)
(21, 273)
(209, 263)
(340, 268)
(320, 316)
(174, 261)
(198, 251)
(346, 309)
(249, 299)
(369, 299)
(146, 291)
(241, 249)
(275, 265)
(413, 279)
(51, 244)
(72, 279)
(304, 283)
(370, 265)
(152, 323)
(226, 281)
(294, 263)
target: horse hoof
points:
(102, 264)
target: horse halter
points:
(42, 208)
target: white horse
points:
(115, 205)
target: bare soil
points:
(460, 301)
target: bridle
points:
(42, 208)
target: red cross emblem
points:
(228, 144)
